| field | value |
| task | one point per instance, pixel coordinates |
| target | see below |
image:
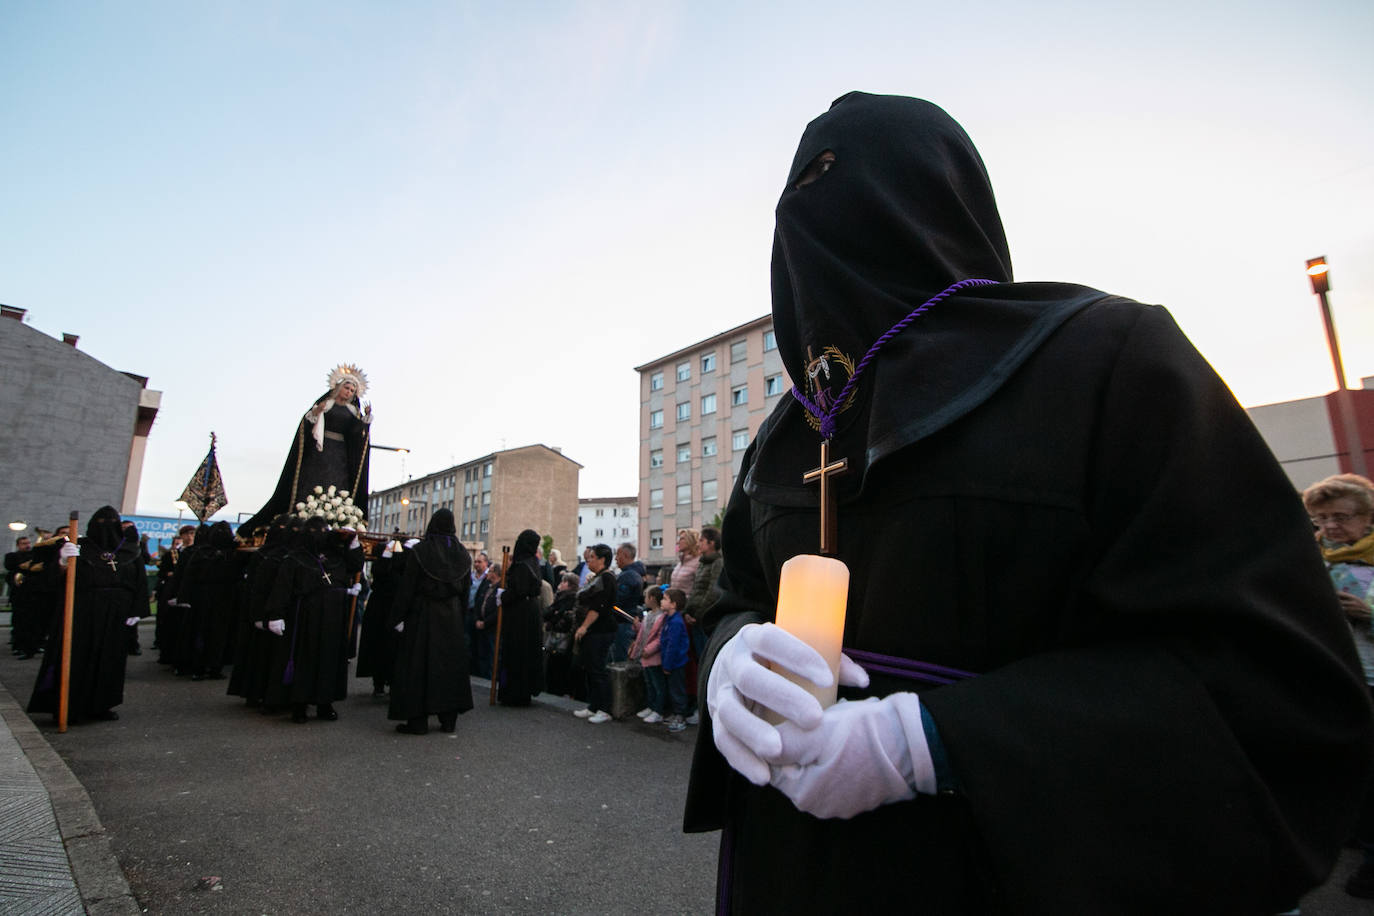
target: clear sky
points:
(499, 209)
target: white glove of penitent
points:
(355, 544)
(861, 755)
(132, 621)
(277, 626)
(401, 627)
(258, 624)
(411, 543)
(740, 683)
(66, 552)
(356, 588)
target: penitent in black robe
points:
(522, 643)
(106, 596)
(431, 671)
(310, 660)
(377, 643)
(1052, 491)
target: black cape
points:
(522, 644)
(431, 672)
(1062, 498)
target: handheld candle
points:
(812, 594)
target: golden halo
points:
(348, 372)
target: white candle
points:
(812, 594)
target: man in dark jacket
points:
(629, 597)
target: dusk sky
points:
(499, 209)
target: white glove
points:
(386, 554)
(277, 626)
(740, 683)
(132, 621)
(412, 542)
(401, 627)
(66, 552)
(258, 624)
(355, 543)
(862, 755)
(355, 589)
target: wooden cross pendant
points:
(830, 522)
(327, 580)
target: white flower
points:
(331, 489)
(348, 500)
(302, 515)
(319, 490)
(300, 506)
(343, 492)
(329, 516)
(362, 526)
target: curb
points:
(99, 880)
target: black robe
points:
(254, 645)
(1168, 716)
(1050, 489)
(377, 643)
(104, 599)
(431, 670)
(210, 584)
(310, 660)
(341, 463)
(522, 638)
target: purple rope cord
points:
(827, 417)
(905, 667)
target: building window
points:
(684, 453)
(656, 382)
(627, 510)
(655, 419)
(739, 440)
(708, 446)
(769, 341)
(486, 497)
(484, 526)
(708, 363)
(772, 385)
(739, 395)
(600, 513)
(656, 458)
(624, 532)
(708, 491)
(684, 494)
(655, 499)
(739, 351)
(684, 410)
(708, 404)
(656, 540)
(486, 469)
(599, 533)
(684, 371)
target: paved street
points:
(523, 811)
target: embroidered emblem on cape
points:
(825, 373)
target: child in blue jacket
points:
(673, 644)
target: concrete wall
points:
(66, 429)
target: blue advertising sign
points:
(161, 529)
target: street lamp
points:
(1320, 274)
(181, 507)
(424, 516)
(18, 525)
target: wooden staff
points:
(64, 685)
(496, 651)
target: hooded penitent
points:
(104, 531)
(904, 211)
(525, 545)
(440, 554)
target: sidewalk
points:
(54, 855)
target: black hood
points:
(526, 543)
(905, 211)
(103, 531)
(441, 555)
(221, 536)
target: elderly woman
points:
(329, 448)
(1342, 509)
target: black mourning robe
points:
(310, 593)
(431, 670)
(210, 584)
(522, 635)
(1050, 489)
(111, 587)
(378, 640)
(341, 463)
(254, 644)
(27, 619)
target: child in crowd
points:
(673, 645)
(646, 650)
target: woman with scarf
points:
(522, 661)
(308, 610)
(1342, 510)
(330, 448)
(431, 670)
(111, 594)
